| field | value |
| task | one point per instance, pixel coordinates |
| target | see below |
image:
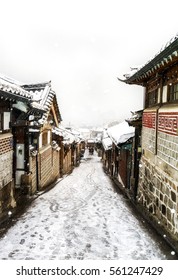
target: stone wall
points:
(158, 192)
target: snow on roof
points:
(38, 96)
(75, 133)
(132, 71)
(91, 140)
(165, 54)
(107, 143)
(42, 98)
(10, 80)
(84, 130)
(68, 138)
(10, 87)
(135, 116)
(121, 132)
(41, 94)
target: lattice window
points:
(45, 138)
(152, 98)
(1, 121)
(173, 92)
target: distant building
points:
(121, 136)
(43, 154)
(85, 132)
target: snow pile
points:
(121, 132)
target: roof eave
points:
(165, 56)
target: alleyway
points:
(82, 217)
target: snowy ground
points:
(82, 217)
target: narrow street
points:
(82, 217)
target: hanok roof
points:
(68, 137)
(107, 143)
(136, 118)
(167, 56)
(36, 97)
(12, 89)
(121, 132)
(43, 96)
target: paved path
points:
(82, 217)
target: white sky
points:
(82, 46)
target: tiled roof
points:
(121, 132)
(13, 90)
(68, 137)
(43, 96)
(165, 57)
(39, 97)
(107, 143)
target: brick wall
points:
(149, 139)
(6, 175)
(167, 148)
(5, 144)
(6, 160)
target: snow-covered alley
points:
(82, 217)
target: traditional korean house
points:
(106, 152)
(136, 121)
(44, 157)
(77, 146)
(121, 136)
(13, 98)
(158, 169)
(67, 148)
(7, 90)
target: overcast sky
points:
(82, 46)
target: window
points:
(152, 97)
(173, 92)
(4, 121)
(1, 121)
(164, 97)
(45, 138)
